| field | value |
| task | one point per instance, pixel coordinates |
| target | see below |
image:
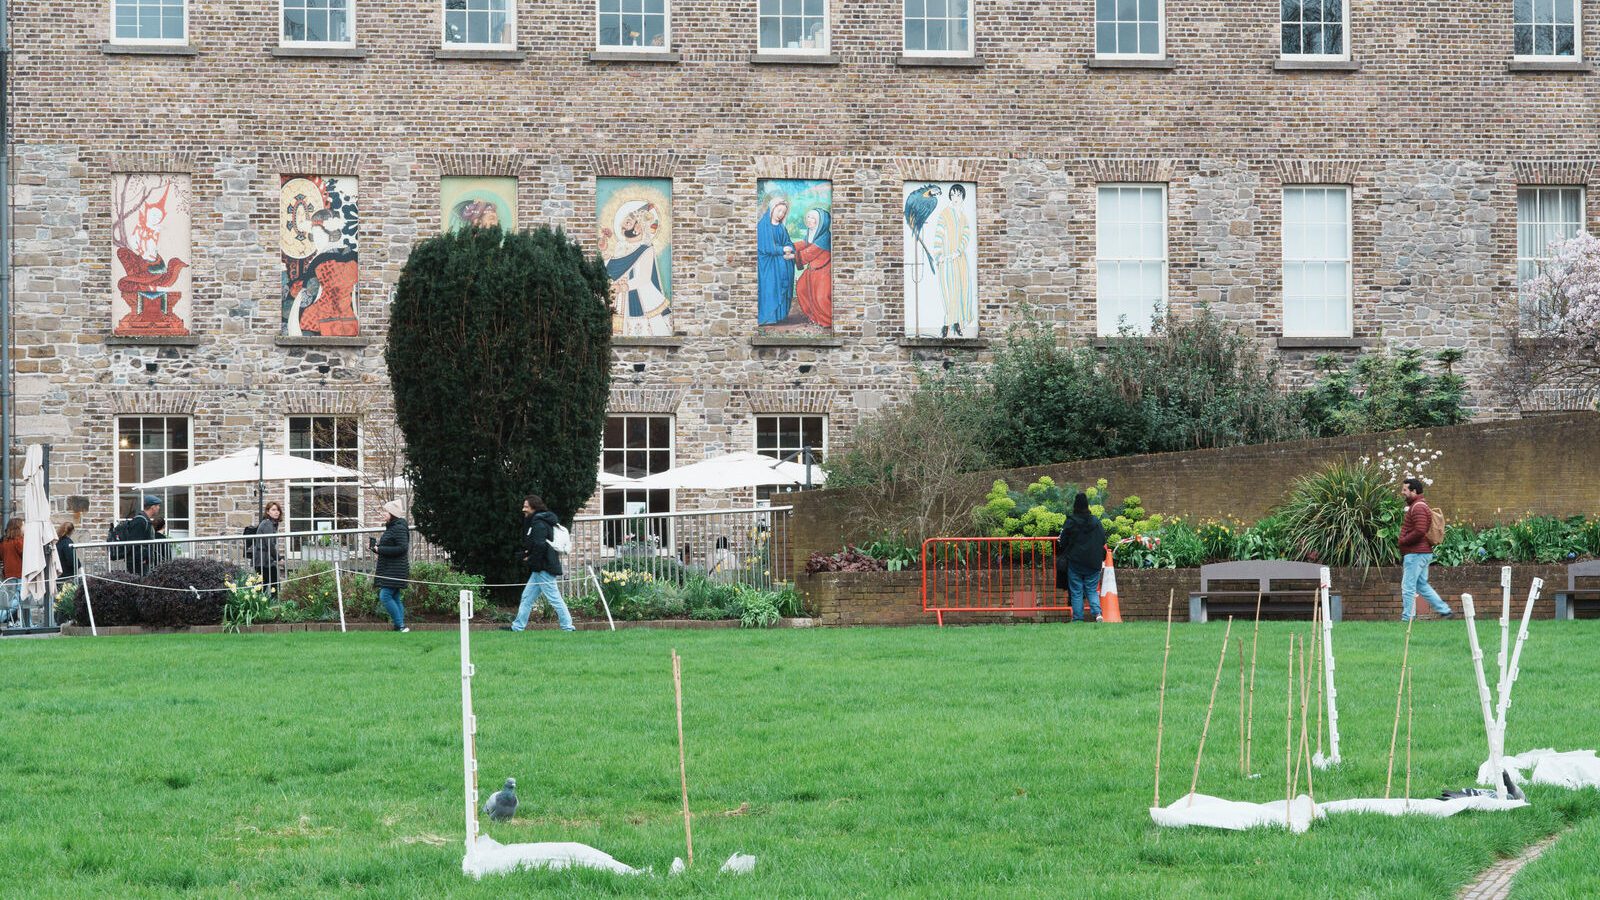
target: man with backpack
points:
(540, 555)
(1421, 530)
(138, 527)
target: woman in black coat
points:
(393, 548)
(65, 552)
(264, 549)
(1080, 554)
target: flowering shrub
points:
(1398, 462)
(1042, 508)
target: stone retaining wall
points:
(895, 598)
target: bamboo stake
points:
(1394, 735)
(1161, 705)
(1408, 737)
(1221, 658)
(683, 770)
(1239, 642)
(1250, 716)
(1288, 738)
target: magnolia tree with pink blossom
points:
(1556, 325)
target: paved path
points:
(1495, 884)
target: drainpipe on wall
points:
(6, 388)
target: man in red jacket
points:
(1416, 553)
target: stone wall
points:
(1488, 472)
(1432, 131)
(895, 598)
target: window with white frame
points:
(1316, 262)
(1129, 28)
(793, 26)
(325, 23)
(634, 25)
(1544, 215)
(1546, 29)
(788, 438)
(151, 447)
(1130, 256)
(1314, 28)
(149, 21)
(633, 447)
(325, 504)
(480, 23)
(938, 27)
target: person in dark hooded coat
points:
(544, 563)
(393, 570)
(1080, 554)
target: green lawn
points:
(963, 762)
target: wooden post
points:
(1221, 658)
(1399, 694)
(1161, 704)
(1250, 715)
(683, 771)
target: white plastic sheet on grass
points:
(1572, 769)
(490, 857)
(1234, 815)
(1423, 806)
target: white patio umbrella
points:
(258, 465)
(606, 479)
(39, 566)
(733, 470)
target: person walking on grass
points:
(1080, 554)
(393, 549)
(538, 524)
(1416, 552)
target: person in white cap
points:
(394, 567)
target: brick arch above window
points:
(307, 163)
(1143, 171)
(633, 165)
(1557, 172)
(153, 163)
(152, 402)
(1318, 171)
(326, 403)
(504, 165)
(791, 401)
(942, 169)
(816, 168)
(644, 401)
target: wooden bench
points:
(1288, 590)
(1568, 601)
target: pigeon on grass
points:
(502, 803)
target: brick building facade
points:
(1425, 124)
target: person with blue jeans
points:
(1080, 555)
(1416, 552)
(393, 549)
(538, 524)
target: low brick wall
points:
(895, 598)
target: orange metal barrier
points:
(989, 574)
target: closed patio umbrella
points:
(39, 566)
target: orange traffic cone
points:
(1110, 609)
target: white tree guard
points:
(1509, 680)
(1333, 758)
(469, 725)
(1468, 613)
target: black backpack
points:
(121, 531)
(249, 530)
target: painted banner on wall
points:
(794, 256)
(478, 201)
(941, 258)
(152, 287)
(635, 239)
(321, 259)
